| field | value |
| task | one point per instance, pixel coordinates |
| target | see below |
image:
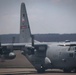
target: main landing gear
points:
(41, 70)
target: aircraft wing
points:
(16, 46)
(68, 44)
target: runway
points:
(30, 71)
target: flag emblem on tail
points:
(23, 27)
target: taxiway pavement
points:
(31, 71)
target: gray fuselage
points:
(62, 56)
(52, 56)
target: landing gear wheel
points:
(41, 70)
(67, 70)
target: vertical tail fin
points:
(25, 33)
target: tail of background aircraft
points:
(25, 33)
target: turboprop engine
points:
(7, 53)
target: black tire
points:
(41, 70)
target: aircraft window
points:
(72, 48)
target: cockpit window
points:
(72, 48)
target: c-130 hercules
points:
(43, 55)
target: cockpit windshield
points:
(72, 48)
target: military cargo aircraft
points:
(43, 55)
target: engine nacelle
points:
(11, 55)
(6, 52)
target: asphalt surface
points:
(30, 71)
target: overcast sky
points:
(45, 16)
